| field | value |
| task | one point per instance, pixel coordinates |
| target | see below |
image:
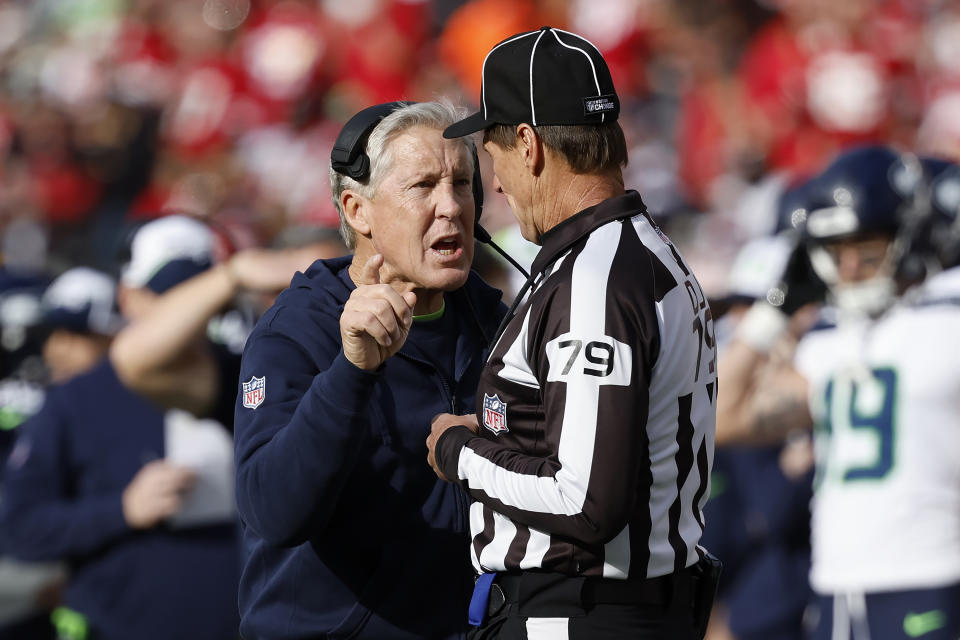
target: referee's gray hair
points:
(436, 115)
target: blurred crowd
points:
(114, 111)
(117, 112)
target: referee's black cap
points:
(543, 77)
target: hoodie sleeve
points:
(39, 517)
(299, 430)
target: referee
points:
(589, 457)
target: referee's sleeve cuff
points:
(447, 452)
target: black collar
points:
(561, 237)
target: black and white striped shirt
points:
(596, 409)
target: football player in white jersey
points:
(881, 390)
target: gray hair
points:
(436, 115)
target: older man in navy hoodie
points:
(347, 532)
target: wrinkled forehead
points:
(422, 148)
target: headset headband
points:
(348, 157)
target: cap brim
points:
(470, 124)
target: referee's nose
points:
(497, 185)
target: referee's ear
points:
(530, 147)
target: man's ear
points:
(530, 147)
(355, 209)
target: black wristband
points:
(447, 450)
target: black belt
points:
(534, 590)
(652, 591)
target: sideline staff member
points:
(93, 483)
(597, 404)
(345, 532)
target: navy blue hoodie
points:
(347, 531)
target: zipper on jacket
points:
(460, 497)
(450, 397)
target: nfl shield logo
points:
(254, 392)
(494, 414)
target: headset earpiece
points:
(348, 156)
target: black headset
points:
(348, 157)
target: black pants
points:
(564, 610)
(36, 628)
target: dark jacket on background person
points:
(760, 524)
(63, 491)
(347, 531)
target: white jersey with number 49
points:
(885, 397)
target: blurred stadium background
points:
(114, 111)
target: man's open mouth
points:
(446, 246)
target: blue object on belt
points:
(480, 599)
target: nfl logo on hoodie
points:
(494, 414)
(254, 392)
